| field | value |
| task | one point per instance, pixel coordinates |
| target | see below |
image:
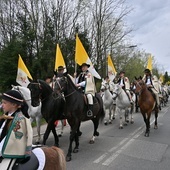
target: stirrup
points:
(89, 113)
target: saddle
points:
(20, 163)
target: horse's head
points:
(116, 91)
(104, 86)
(35, 89)
(139, 85)
(61, 84)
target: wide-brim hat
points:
(60, 68)
(147, 70)
(13, 96)
(84, 64)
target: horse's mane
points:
(71, 79)
(45, 85)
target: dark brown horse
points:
(76, 110)
(147, 103)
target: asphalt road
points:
(121, 149)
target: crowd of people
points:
(16, 127)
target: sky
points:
(150, 21)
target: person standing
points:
(85, 81)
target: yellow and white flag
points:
(81, 57)
(149, 64)
(111, 69)
(23, 73)
(59, 60)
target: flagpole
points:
(75, 71)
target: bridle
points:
(61, 88)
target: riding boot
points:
(90, 110)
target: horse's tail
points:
(100, 101)
(55, 158)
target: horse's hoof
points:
(120, 127)
(91, 141)
(79, 133)
(68, 158)
(56, 144)
(60, 135)
(113, 118)
(75, 150)
(127, 121)
(155, 127)
(146, 134)
(125, 124)
(105, 123)
(96, 133)
(132, 122)
(110, 122)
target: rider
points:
(125, 84)
(85, 81)
(15, 129)
(150, 81)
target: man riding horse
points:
(125, 84)
(152, 84)
(85, 81)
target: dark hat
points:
(13, 96)
(84, 64)
(122, 72)
(147, 70)
(60, 68)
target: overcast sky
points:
(151, 23)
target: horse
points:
(147, 104)
(76, 110)
(46, 158)
(52, 108)
(109, 104)
(34, 112)
(123, 103)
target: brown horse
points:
(146, 103)
(46, 158)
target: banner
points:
(149, 65)
(59, 60)
(81, 57)
(111, 69)
(23, 73)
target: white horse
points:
(108, 102)
(34, 112)
(123, 103)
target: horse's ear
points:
(136, 78)
(140, 77)
(65, 74)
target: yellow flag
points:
(81, 57)
(23, 73)
(111, 69)
(161, 78)
(149, 65)
(59, 61)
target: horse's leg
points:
(156, 116)
(120, 119)
(74, 124)
(148, 124)
(62, 128)
(131, 113)
(96, 133)
(50, 127)
(110, 114)
(106, 111)
(114, 111)
(38, 124)
(126, 116)
(79, 133)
